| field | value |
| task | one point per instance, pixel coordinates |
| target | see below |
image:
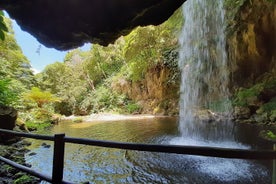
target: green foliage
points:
(244, 96)
(13, 64)
(38, 126)
(271, 135)
(269, 106)
(104, 99)
(170, 60)
(132, 107)
(24, 179)
(40, 97)
(3, 27)
(84, 80)
(7, 95)
(37, 119)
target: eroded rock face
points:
(252, 45)
(67, 24)
(252, 50)
(154, 93)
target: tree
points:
(3, 27)
(40, 97)
(13, 64)
(7, 95)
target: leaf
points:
(3, 26)
(2, 35)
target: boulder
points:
(8, 117)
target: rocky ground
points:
(15, 151)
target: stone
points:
(242, 112)
(206, 115)
(67, 24)
(8, 117)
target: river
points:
(105, 165)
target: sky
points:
(30, 47)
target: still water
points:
(105, 165)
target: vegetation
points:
(17, 80)
(259, 99)
(3, 27)
(40, 97)
(7, 94)
(83, 82)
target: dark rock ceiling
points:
(67, 24)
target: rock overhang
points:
(67, 24)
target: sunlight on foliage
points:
(40, 97)
(7, 95)
(3, 27)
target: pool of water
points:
(106, 165)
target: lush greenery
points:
(17, 80)
(84, 81)
(259, 98)
(3, 27)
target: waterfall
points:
(203, 63)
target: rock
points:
(252, 42)
(16, 153)
(261, 118)
(67, 24)
(8, 117)
(273, 116)
(20, 124)
(242, 112)
(32, 154)
(207, 116)
(45, 145)
(55, 119)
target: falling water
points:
(204, 92)
(203, 62)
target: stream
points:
(105, 165)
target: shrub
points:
(7, 95)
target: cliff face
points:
(155, 93)
(252, 52)
(252, 43)
(251, 48)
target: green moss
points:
(244, 96)
(38, 126)
(24, 179)
(270, 106)
(269, 109)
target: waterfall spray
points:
(202, 61)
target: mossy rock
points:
(268, 135)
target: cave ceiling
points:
(67, 24)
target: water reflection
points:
(106, 165)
